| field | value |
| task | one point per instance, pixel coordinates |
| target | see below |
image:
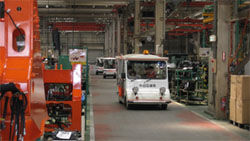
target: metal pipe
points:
(241, 41)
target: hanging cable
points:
(18, 105)
(16, 26)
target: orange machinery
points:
(63, 98)
(21, 65)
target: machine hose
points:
(18, 104)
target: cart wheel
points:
(49, 139)
(119, 100)
(164, 106)
(126, 104)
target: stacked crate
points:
(240, 99)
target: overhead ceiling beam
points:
(196, 4)
(176, 34)
(184, 20)
(84, 2)
(69, 15)
(79, 26)
(185, 30)
(72, 11)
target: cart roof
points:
(142, 57)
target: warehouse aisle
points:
(113, 122)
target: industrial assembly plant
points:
(124, 70)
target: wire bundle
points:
(18, 105)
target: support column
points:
(110, 41)
(159, 26)
(125, 34)
(211, 74)
(105, 50)
(137, 27)
(113, 38)
(118, 43)
(223, 44)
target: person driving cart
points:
(150, 72)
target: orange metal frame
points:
(67, 77)
(23, 68)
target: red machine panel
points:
(63, 99)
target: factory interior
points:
(125, 70)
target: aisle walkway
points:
(113, 122)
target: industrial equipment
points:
(63, 99)
(23, 110)
(64, 87)
(190, 82)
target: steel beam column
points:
(160, 26)
(113, 39)
(125, 34)
(110, 41)
(118, 35)
(137, 27)
(223, 33)
(106, 42)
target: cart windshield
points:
(99, 62)
(146, 70)
(109, 63)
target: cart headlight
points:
(135, 90)
(162, 90)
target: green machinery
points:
(190, 85)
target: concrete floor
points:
(112, 122)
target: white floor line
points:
(92, 127)
(83, 129)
